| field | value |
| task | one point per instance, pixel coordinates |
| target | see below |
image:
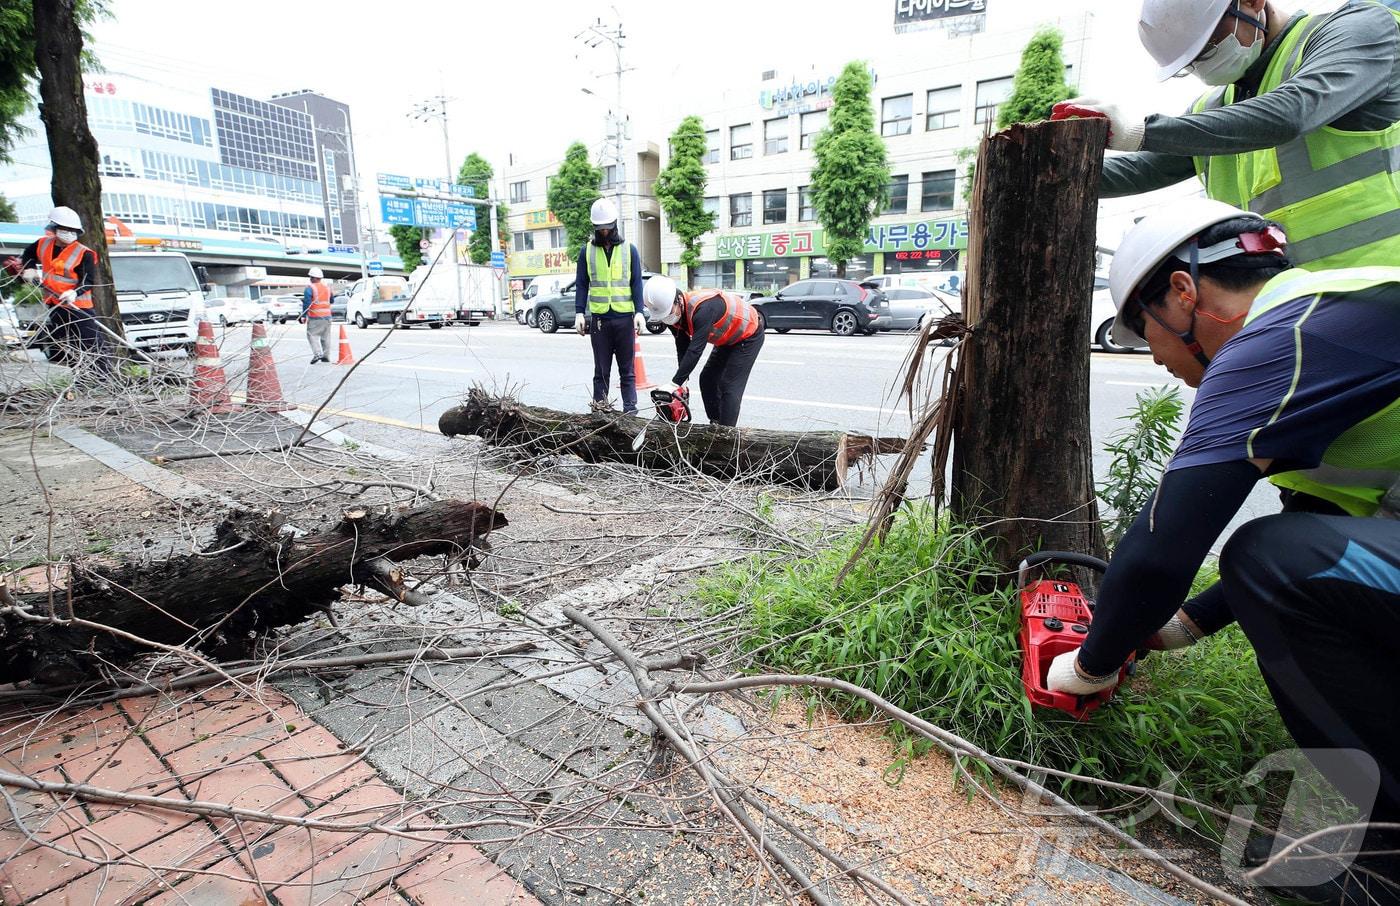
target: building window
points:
(943, 107)
(812, 123)
(525, 241)
(899, 195)
(519, 191)
(712, 205)
(741, 142)
(938, 190)
(770, 274)
(806, 209)
(775, 205)
(609, 176)
(740, 210)
(897, 115)
(990, 95)
(715, 275)
(857, 268)
(775, 136)
(557, 239)
(711, 146)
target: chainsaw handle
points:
(1073, 559)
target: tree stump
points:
(1022, 461)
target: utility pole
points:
(436, 108)
(594, 36)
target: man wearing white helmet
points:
(608, 304)
(66, 271)
(709, 317)
(316, 315)
(1300, 125)
(1298, 377)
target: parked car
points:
(339, 304)
(281, 309)
(552, 309)
(909, 306)
(231, 310)
(843, 307)
(1102, 313)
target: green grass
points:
(913, 624)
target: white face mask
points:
(66, 236)
(672, 316)
(1230, 59)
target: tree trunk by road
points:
(1022, 462)
(72, 149)
(257, 574)
(812, 460)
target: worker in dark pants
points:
(709, 317)
(608, 305)
(65, 270)
(1298, 381)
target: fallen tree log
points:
(256, 574)
(815, 460)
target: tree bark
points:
(72, 149)
(1022, 462)
(812, 460)
(255, 575)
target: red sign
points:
(102, 87)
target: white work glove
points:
(30, 275)
(1123, 134)
(68, 297)
(1064, 676)
(1176, 634)
(580, 324)
(668, 387)
(639, 321)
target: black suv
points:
(843, 307)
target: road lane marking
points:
(367, 417)
(846, 406)
(417, 368)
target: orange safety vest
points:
(320, 301)
(738, 323)
(60, 274)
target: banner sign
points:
(947, 235)
(958, 17)
(543, 219)
(533, 264)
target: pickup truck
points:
(384, 300)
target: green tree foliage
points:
(1139, 453)
(7, 211)
(406, 241)
(1040, 81)
(572, 193)
(681, 190)
(18, 69)
(851, 181)
(476, 172)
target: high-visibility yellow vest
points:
(1336, 193)
(610, 282)
(1364, 461)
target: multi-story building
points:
(934, 96)
(206, 162)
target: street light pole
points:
(594, 36)
(423, 112)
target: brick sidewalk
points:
(216, 747)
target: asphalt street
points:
(802, 381)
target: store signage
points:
(800, 96)
(920, 237)
(956, 16)
(533, 264)
(542, 219)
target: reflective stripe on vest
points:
(60, 274)
(320, 301)
(610, 282)
(1364, 461)
(737, 324)
(1337, 194)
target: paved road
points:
(802, 381)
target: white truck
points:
(437, 289)
(384, 300)
(159, 297)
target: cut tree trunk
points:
(72, 149)
(811, 460)
(1022, 462)
(255, 575)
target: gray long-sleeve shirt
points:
(1348, 78)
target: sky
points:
(514, 71)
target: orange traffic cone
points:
(264, 390)
(209, 390)
(639, 366)
(345, 357)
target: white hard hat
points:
(1151, 240)
(658, 297)
(1175, 31)
(315, 272)
(66, 218)
(603, 212)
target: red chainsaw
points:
(1055, 618)
(671, 406)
